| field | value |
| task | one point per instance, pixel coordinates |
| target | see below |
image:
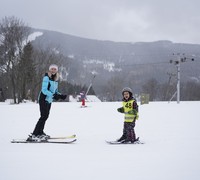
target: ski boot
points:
(130, 141)
(47, 136)
(32, 138)
(38, 138)
(122, 138)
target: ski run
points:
(170, 132)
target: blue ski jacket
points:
(49, 88)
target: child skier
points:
(130, 109)
(49, 92)
(82, 94)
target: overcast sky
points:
(116, 20)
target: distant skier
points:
(82, 94)
(49, 92)
(130, 109)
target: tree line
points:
(156, 90)
(165, 91)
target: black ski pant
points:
(44, 114)
(128, 131)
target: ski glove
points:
(121, 110)
(133, 112)
(56, 97)
(63, 96)
(59, 96)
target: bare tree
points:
(42, 59)
(13, 36)
(113, 88)
(151, 88)
(190, 91)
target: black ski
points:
(117, 142)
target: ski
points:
(83, 106)
(52, 138)
(64, 137)
(43, 142)
(117, 142)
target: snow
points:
(34, 35)
(90, 98)
(170, 132)
(71, 56)
(30, 38)
(73, 99)
(109, 66)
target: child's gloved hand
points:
(133, 112)
(121, 110)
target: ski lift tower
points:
(180, 59)
(90, 85)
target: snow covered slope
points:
(170, 131)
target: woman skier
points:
(49, 92)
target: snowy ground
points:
(171, 151)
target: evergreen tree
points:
(26, 72)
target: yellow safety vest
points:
(127, 107)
